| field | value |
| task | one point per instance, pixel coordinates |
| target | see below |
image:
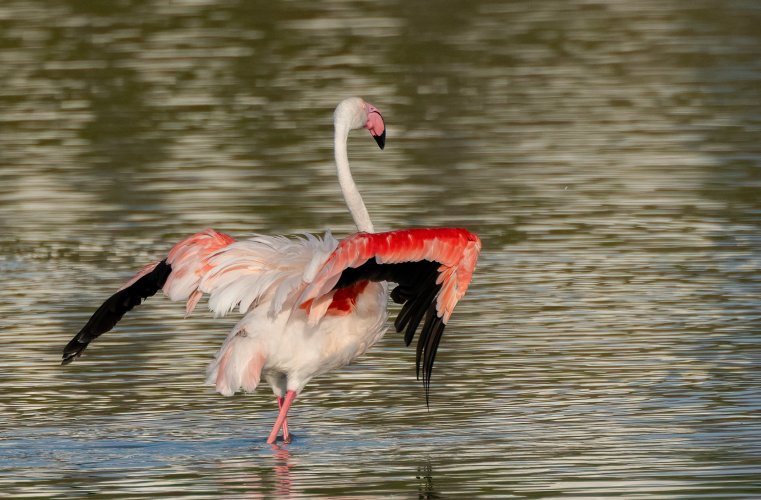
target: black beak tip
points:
(380, 139)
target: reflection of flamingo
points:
(282, 470)
(311, 305)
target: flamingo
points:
(310, 305)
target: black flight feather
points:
(112, 310)
(416, 290)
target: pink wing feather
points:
(190, 262)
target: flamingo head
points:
(357, 113)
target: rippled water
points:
(607, 153)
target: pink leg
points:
(286, 435)
(289, 397)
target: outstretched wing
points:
(244, 274)
(178, 275)
(433, 268)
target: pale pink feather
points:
(263, 269)
(189, 261)
(142, 272)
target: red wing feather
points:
(456, 250)
(433, 268)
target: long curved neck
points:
(348, 187)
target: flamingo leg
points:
(286, 435)
(289, 397)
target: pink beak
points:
(375, 125)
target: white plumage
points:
(292, 350)
(263, 270)
(309, 304)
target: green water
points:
(607, 153)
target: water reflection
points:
(606, 152)
(260, 476)
(426, 489)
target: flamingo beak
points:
(380, 139)
(375, 125)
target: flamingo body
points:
(310, 304)
(299, 351)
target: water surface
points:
(607, 153)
